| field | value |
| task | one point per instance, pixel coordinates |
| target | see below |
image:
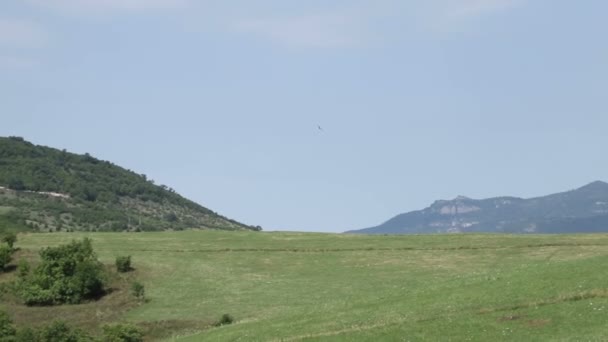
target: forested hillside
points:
(45, 189)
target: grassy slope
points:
(289, 286)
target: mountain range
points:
(584, 210)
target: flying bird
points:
(320, 128)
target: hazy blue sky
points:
(419, 100)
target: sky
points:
(418, 100)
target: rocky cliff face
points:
(581, 210)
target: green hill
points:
(45, 189)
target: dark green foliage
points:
(12, 220)
(40, 168)
(7, 330)
(67, 274)
(26, 335)
(15, 184)
(122, 333)
(5, 256)
(138, 290)
(61, 332)
(123, 264)
(171, 217)
(10, 239)
(23, 269)
(56, 332)
(100, 195)
(225, 320)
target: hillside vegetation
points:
(326, 287)
(45, 189)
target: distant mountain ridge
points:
(584, 210)
(46, 189)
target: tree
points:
(10, 239)
(16, 184)
(171, 217)
(26, 334)
(89, 194)
(122, 333)
(123, 264)
(7, 330)
(23, 269)
(66, 274)
(61, 332)
(225, 320)
(5, 256)
(138, 290)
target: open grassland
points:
(296, 286)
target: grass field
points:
(297, 286)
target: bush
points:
(23, 269)
(5, 256)
(171, 217)
(122, 333)
(26, 335)
(67, 274)
(16, 184)
(225, 320)
(61, 332)
(10, 239)
(7, 330)
(123, 263)
(138, 290)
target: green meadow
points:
(330, 287)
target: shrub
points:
(123, 263)
(7, 330)
(10, 239)
(138, 290)
(67, 274)
(26, 335)
(61, 332)
(171, 217)
(5, 256)
(23, 269)
(16, 184)
(122, 333)
(225, 320)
